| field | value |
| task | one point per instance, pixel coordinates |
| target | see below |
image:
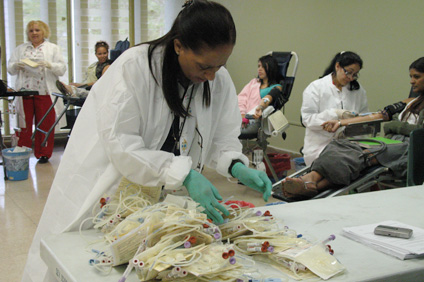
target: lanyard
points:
(176, 129)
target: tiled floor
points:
(22, 203)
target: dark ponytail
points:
(200, 24)
(345, 59)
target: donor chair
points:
(415, 171)
(273, 122)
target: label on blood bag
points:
(124, 249)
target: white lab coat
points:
(53, 55)
(119, 132)
(321, 99)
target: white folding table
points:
(67, 259)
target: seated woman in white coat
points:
(162, 111)
(97, 69)
(342, 161)
(336, 95)
(94, 72)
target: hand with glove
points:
(203, 192)
(253, 178)
(44, 64)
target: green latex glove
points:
(253, 178)
(203, 192)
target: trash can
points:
(280, 163)
(299, 163)
(16, 163)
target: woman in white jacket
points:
(97, 69)
(162, 111)
(38, 64)
(336, 93)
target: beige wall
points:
(387, 34)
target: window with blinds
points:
(108, 20)
(91, 21)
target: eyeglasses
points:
(350, 74)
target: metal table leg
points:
(47, 133)
(2, 146)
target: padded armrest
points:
(269, 110)
(363, 128)
(370, 122)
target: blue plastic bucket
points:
(16, 163)
(299, 163)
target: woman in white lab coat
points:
(161, 112)
(44, 66)
(342, 161)
(336, 95)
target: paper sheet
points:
(398, 247)
(277, 123)
(29, 63)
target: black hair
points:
(418, 65)
(200, 24)
(101, 44)
(345, 59)
(418, 104)
(270, 64)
